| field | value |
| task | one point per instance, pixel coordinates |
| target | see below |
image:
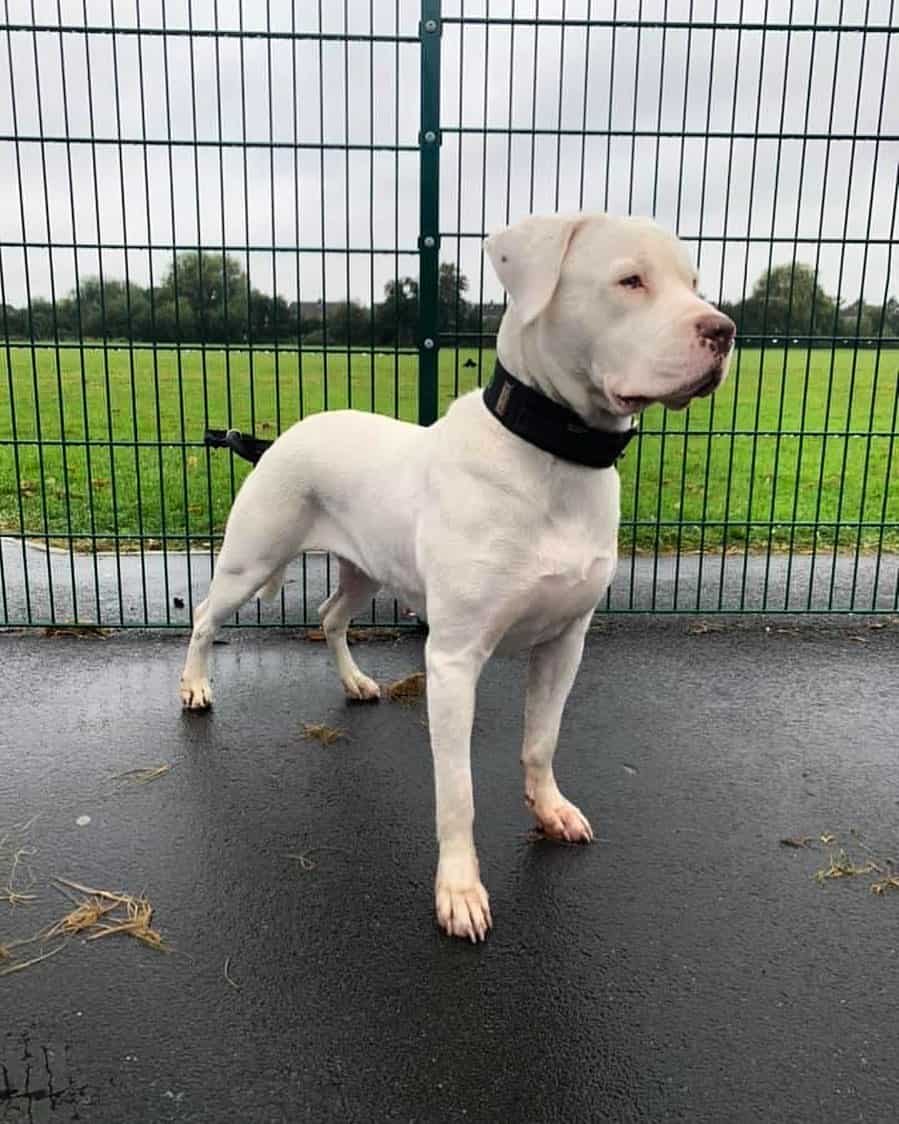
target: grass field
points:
(733, 470)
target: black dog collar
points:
(553, 428)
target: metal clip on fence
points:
(244, 444)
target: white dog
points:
(499, 523)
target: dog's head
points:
(612, 301)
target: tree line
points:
(208, 297)
(788, 301)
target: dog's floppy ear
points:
(528, 256)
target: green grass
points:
(680, 483)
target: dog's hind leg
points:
(234, 582)
(354, 590)
(231, 587)
(272, 587)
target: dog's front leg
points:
(551, 671)
(463, 909)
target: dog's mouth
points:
(702, 388)
(707, 384)
(632, 403)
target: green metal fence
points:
(222, 214)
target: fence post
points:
(429, 31)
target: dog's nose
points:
(719, 330)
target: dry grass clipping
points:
(9, 893)
(104, 912)
(319, 732)
(231, 981)
(303, 859)
(20, 967)
(306, 863)
(701, 628)
(356, 635)
(13, 849)
(100, 914)
(407, 690)
(841, 866)
(144, 775)
(77, 632)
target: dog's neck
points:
(519, 351)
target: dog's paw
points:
(463, 911)
(560, 819)
(360, 688)
(196, 694)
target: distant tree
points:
(100, 309)
(396, 318)
(13, 321)
(453, 306)
(39, 320)
(891, 317)
(348, 322)
(860, 319)
(174, 320)
(271, 318)
(787, 299)
(212, 299)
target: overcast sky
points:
(213, 88)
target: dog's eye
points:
(633, 281)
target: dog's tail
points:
(244, 444)
(251, 449)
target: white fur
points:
(500, 546)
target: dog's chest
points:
(565, 578)
(569, 557)
(571, 568)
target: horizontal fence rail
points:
(233, 216)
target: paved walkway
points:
(686, 967)
(158, 588)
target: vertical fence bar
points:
(664, 426)
(807, 384)
(753, 185)
(104, 328)
(135, 427)
(57, 355)
(429, 214)
(483, 216)
(765, 312)
(154, 322)
(17, 478)
(893, 428)
(82, 357)
(784, 374)
(709, 445)
(836, 325)
(205, 334)
(735, 361)
(32, 345)
(460, 144)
